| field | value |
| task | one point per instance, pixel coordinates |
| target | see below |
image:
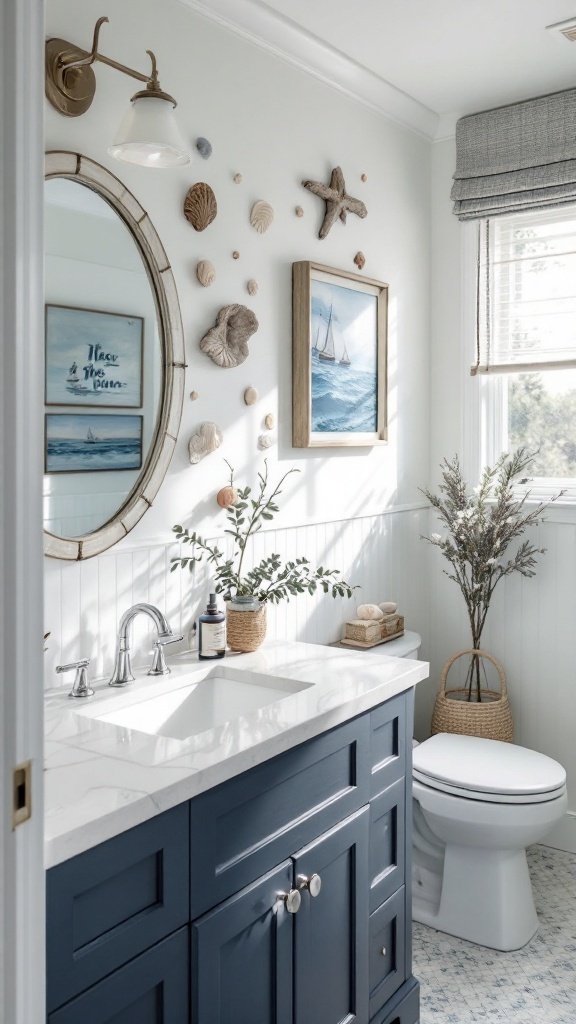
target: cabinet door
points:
(331, 929)
(242, 956)
(152, 989)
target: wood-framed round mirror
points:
(115, 364)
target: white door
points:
(21, 618)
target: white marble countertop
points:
(101, 779)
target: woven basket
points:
(491, 718)
(246, 630)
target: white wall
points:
(530, 625)
(276, 125)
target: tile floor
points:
(462, 983)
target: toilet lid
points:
(472, 764)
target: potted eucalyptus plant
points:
(249, 590)
(480, 525)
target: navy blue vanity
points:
(185, 918)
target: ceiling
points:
(450, 56)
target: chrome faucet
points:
(122, 673)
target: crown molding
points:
(446, 127)
(280, 36)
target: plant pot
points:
(245, 626)
(490, 718)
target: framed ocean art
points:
(77, 442)
(339, 358)
(93, 358)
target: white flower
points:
(490, 561)
(435, 538)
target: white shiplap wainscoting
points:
(381, 553)
(531, 629)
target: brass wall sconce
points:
(148, 135)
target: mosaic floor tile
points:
(462, 983)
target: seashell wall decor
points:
(206, 273)
(235, 255)
(204, 147)
(206, 440)
(364, 177)
(270, 421)
(200, 206)
(227, 342)
(265, 441)
(227, 496)
(250, 396)
(238, 178)
(299, 211)
(252, 287)
(359, 260)
(261, 216)
(193, 396)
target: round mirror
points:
(114, 377)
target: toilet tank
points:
(406, 646)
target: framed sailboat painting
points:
(339, 358)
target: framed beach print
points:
(77, 442)
(93, 358)
(339, 335)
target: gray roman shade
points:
(519, 157)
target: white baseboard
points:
(563, 836)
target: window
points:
(526, 339)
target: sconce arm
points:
(67, 64)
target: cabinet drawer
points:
(248, 825)
(388, 742)
(387, 843)
(387, 956)
(114, 901)
(152, 989)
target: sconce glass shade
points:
(149, 135)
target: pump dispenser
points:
(212, 632)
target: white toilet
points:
(477, 805)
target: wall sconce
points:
(148, 135)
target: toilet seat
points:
(487, 770)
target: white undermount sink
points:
(186, 708)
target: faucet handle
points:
(159, 666)
(80, 687)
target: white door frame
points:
(22, 905)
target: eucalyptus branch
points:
(269, 580)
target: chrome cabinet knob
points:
(313, 884)
(383, 951)
(292, 899)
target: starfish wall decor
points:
(338, 203)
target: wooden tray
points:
(365, 645)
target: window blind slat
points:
(527, 307)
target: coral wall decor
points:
(200, 206)
(206, 440)
(227, 342)
(338, 202)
